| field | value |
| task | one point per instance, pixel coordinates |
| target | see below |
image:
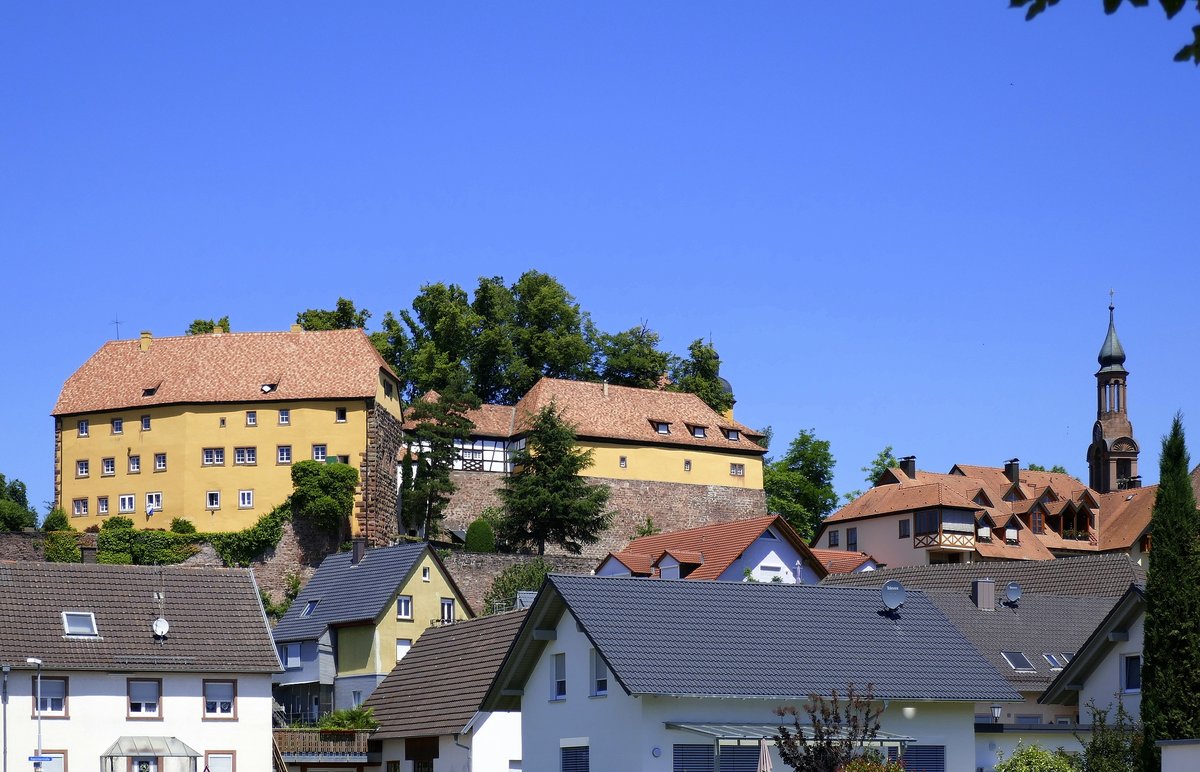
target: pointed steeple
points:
(1113, 454)
(1112, 356)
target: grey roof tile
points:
(216, 618)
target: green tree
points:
(527, 576)
(647, 528)
(836, 731)
(182, 525)
(1111, 747)
(799, 485)
(1190, 51)
(344, 316)
(1171, 652)
(15, 512)
(495, 364)
(480, 537)
(1057, 468)
(57, 520)
(883, 461)
(1034, 758)
(550, 333)
(633, 358)
(437, 420)
(206, 326)
(323, 493)
(545, 499)
(700, 374)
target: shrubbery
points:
(480, 537)
(57, 520)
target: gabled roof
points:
(225, 367)
(621, 413)
(215, 615)
(905, 497)
(345, 593)
(439, 685)
(718, 544)
(1106, 575)
(655, 642)
(840, 561)
(1065, 688)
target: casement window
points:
(578, 759)
(699, 432)
(220, 699)
(1131, 673)
(79, 507)
(289, 655)
(319, 452)
(145, 698)
(118, 426)
(283, 454)
(560, 677)
(599, 675)
(904, 528)
(737, 470)
(79, 623)
(220, 761)
(245, 499)
(53, 701)
(126, 503)
(835, 538)
(213, 456)
(852, 539)
(285, 417)
(108, 466)
(339, 415)
(447, 610)
(145, 423)
(212, 500)
(153, 502)
(404, 607)
(160, 462)
(402, 647)
(425, 574)
(251, 418)
(245, 456)
(82, 467)
(102, 505)
(81, 428)
(135, 464)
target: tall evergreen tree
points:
(545, 499)
(426, 487)
(1171, 651)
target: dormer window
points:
(662, 427)
(79, 623)
(984, 533)
(698, 432)
(1010, 535)
(733, 435)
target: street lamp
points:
(996, 711)
(37, 765)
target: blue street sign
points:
(42, 759)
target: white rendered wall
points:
(770, 552)
(879, 537)
(496, 741)
(97, 707)
(1104, 682)
(1184, 757)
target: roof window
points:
(662, 427)
(267, 388)
(1017, 660)
(733, 435)
(309, 608)
(79, 623)
(1057, 661)
(150, 391)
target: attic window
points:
(1057, 661)
(79, 623)
(267, 388)
(733, 435)
(309, 608)
(150, 391)
(1016, 660)
(662, 427)
(698, 432)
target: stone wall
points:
(299, 552)
(376, 513)
(672, 506)
(24, 547)
(474, 572)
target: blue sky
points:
(899, 222)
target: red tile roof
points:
(225, 367)
(840, 561)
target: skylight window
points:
(1017, 661)
(79, 623)
(150, 391)
(309, 608)
(1057, 661)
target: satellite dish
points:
(160, 627)
(1013, 592)
(893, 595)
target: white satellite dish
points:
(1013, 592)
(893, 595)
(160, 627)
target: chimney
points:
(218, 330)
(908, 465)
(87, 554)
(144, 343)
(1012, 470)
(983, 592)
(297, 328)
(1135, 481)
(358, 548)
(606, 388)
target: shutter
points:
(925, 758)
(576, 759)
(739, 758)
(693, 758)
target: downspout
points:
(466, 748)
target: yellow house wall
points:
(370, 649)
(183, 432)
(666, 464)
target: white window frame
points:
(687, 465)
(108, 466)
(699, 432)
(289, 656)
(212, 500)
(218, 712)
(737, 470)
(126, 502)
(599, 675)
(211, 761)
(213, 457)
(118, 426)
(135, 464)
(245, 456)
(283, 454)
(145, 423)
(251, 418)
(81, 428)
(83, 468)
(155, 498)
(403, 646)
(447, 611)
(160, 462)
(320, 452)
(1125, 688)
(79, 507)
(339, 415)
(404, 608)
(1011, 658)
(558, 689)
(309, 608)
(246, 499)
(47, 700)
(285, 416)
(662, 427)
(102, 505)
(425, 574)
(87, 617)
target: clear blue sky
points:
(899, 222)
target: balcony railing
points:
(942, 539)
(323, 745)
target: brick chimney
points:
(1012, 470)
(908, 465)
(144, 342)
(358, 548)
(983, 592)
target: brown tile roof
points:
(718, 544)
(1125, 516)
(439, 685)
(840, 561)
(229, 367)
(919, 494)
(216, 618)
(637, 563)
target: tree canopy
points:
(426, 486)
(883, 461)
(323, 493)
(528, 575)
(545, 499)
(205, 326)
(344, 316)
(700, 374)
(1057, 468)
(799, 485)
(1189, 52)
(15, 512)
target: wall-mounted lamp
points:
(996, 711)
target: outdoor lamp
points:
(996, 711)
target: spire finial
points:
(1111, 292)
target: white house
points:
(428, 707)
(153, 669)
(655, 675)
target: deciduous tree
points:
(799, 485)
(840, 727)
(545, 499)
(525, 576)
(15, 512)
(344, 316)
(1189, 52)
(700, 374)
(883, 461)
(205, 326)
(323, 493)
(633, 358)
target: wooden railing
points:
(322, 742)
(958, 539)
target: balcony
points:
(326, 746)
(943, 539)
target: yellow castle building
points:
(207, 427)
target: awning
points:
(769, 731)
(162, 747)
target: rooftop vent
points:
(983, 592)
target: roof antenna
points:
(160, 627)
(117, 321)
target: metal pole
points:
(4, 699)
(37, 765)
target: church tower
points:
(1113, 454)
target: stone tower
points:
(1113, 455)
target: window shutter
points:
(739, 758)
(925, 758)
(576, 759)
(693, 758)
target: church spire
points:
(1113, 454)
(1112, 356)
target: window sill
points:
(219, 718)
(143, 718)
(557, 699)
(598, 696)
